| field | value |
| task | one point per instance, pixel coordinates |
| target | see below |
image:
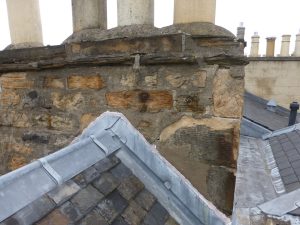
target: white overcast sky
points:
(267, 17)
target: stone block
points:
(130, 187)
(63, 193)
(151, 81)
(199, 79)
(15, 81)
(145, 199)
(9, 98)
(134, 214)
(140, 100)
(36, 138)
(86, 199)
(176, 80)
(56, 122)
(85, 82)
(112, 206)
(12, 118)
(189, 103)
(16, 161)
(106, 183)
(54, 218)
(86, 119)
(228, 101)
(67, 101)
(55, 83)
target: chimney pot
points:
(294, 106)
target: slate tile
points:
(55, 218)
(112, 206)
(71, 212)
(282, 159)
(64, 192)
(280, 137)
(290, 179)
(90, 174)
(130, 187)
(145, 199)
(286, 172)
(120, 221)
(134, 214)
(32, 212)
(93, 218)
(293, 158)
(287, 146)
(283, 165)
(296, 164)
(291, 152)
(106, 183)
(106, 164)
(295, 212)
(276, 147)
(292, 187)
(86, 199)
(80, 181)
(278, 155)
(297, 172)
(121, 172)
(158, 215)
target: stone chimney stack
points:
(255, 45)
(89, 14)
(285, 45)
(194, 11)
(297, 45)
(241, 32)
(270, 52)
(135, 12)
(24, 23)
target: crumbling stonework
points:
(182, 91)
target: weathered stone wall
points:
(183, 92)
(274, 78)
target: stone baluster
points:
(135, 12)
(89, 14)
(194, 11)
(24, 23)
(270, 52)
(285, 45)
(254, 52)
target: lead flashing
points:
(281, 131)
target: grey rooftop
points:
(110, 174)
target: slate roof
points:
(255, 110)
(109, 175)
(106, 193)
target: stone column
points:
(189, 11)
(270, 52)
(135, 12)
(285, 45)
(255, 45)
(297, 45)
(89, 14)
(24, 23)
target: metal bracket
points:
(50, 171)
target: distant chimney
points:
(270, 46)
(285, 45)
(255, 45)
(297, 45)
(241, 32)
(293, 114)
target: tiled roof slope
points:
(284, 145)
(106, 194)
(255, 109)
(108, 175)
